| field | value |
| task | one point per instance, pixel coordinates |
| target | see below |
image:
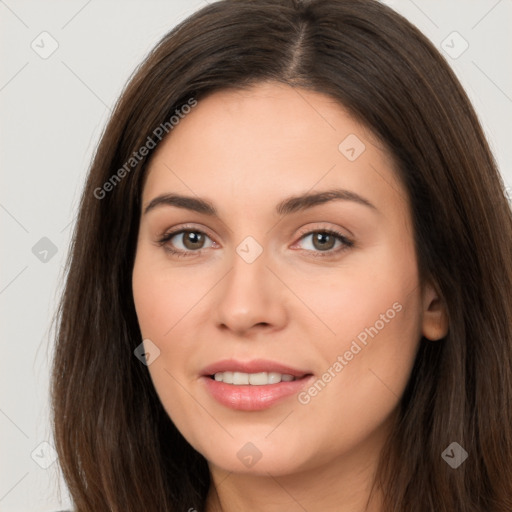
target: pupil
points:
(323, 239)
(193, 240)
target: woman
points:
(289, 286)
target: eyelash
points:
(347, 244)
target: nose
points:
(250, 298)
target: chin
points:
(254, 454)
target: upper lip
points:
(252, 366)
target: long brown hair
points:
(118, 449)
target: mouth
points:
(254, 385)
(253, 379)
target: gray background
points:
(53, 109)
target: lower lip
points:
(253, 398)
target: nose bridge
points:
(247, 282)
(250, 294)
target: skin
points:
(245, 152)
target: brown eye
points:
(186, 242)
(193, 240)
(323, 241)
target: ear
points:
(434, 314)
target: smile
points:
(252, 385)
(253, 379)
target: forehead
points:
(268, 141)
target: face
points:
(281, 320)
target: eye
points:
(326, 241)
(189, 242)
(184, 242)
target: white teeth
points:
(255, 379)
(240, 378)
(258, 379)
(274, 377)
(227, 377)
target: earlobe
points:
(435, 321)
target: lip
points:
(248, 397)
(253, 366)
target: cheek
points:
(368, 363)
(162, 301)
(163, 296)
(373, 313)
(363, 295)
(170, 305)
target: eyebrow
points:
(286, 207)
